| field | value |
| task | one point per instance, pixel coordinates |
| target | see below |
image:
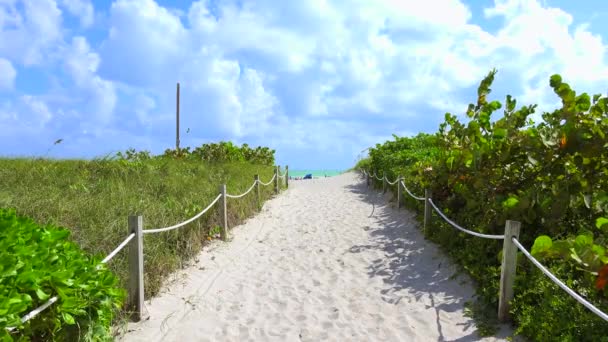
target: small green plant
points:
(39, 262)
(214, 232)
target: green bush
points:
(39, 262)
(551, 176)
(214, 152)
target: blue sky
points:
(319, 81)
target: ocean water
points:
(315, 173)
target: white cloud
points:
(82, 9)
(41, 114)
(146, 43)
(299, 73)
(81, 64)
(543, 42)
(27, 35)
(7, 74)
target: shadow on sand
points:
(413, 267)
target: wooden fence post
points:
(287, 176)
(427, 209)
(367, 177)
(276, 180)
(383, 182)
(257, 188)
(224, 213)
(507, 270)
(135, 302)
(398, 192)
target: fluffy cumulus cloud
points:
(29, 29)
(317, 80)
(7, 74)
(83, 9)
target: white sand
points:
(328, 259)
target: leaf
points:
(555, 81)
(500, 133)
(69, 319)
(575, 256)
(41, 295)
(542, 244)
(584, 240)
(601, 223)
(587, 199)
(510, 202)
(583, 102)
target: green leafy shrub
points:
(551, 176)
(218, 153)
(39, 262)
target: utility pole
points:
(177, 119)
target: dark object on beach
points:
(308, 176)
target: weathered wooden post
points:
(177, 121)
(383, 182)
(224, 213)
(427, 209)
(507, 270)
(257, 188)
(398, 192)
(135, 302)
(276, 180)
(367, 178)
(287, 176)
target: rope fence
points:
(410, 193)
(181, 224)
(245, 193)
(393, 183)
(136, 285)
(269, 182)
(511, 245)
(470, 232)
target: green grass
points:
(93, 199)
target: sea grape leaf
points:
(542, 244)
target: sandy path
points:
(326, 260)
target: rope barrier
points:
(559, 283)
(118, 249)
(131, 236)
(411, 194)
(379, 178)
(393, 183)
(485, 236)
(158, 230)
(534, 261)
(269, 182)
(35, 312)
(243, 194)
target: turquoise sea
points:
(315, 173)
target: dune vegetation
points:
(91, 200)
(551, 176)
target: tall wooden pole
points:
(177, 118)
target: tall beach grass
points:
(93, 199)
